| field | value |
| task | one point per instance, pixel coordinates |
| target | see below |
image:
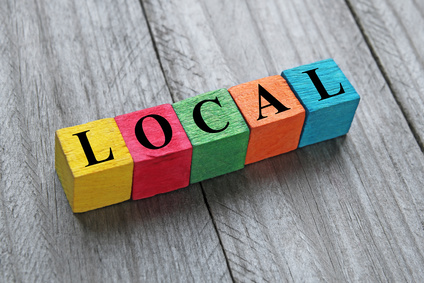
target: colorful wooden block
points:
(329, 99)
(217, 132)
(160, 149)
(93, 165)
(274, 115)
(167, 147)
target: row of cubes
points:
(167, 147)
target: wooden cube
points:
(160, 149)
(93, 165)
(274, 115)
(329, 99)
(217, 131)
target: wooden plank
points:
(393, 29)
(349, 209)
(65, 63)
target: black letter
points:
(318, 84)
(89, 151)
(141, 136)
(272, 100)
(197, 117)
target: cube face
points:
(162, 163)
(93, 165)
(217, 131)
(329, 99)
(275, 126)
(64, 171)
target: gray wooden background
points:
(346, 210)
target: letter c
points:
(198, 119)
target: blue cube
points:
(328, 97)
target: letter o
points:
(141, 136)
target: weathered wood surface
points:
(64, 63)
(350, 209)
(394, 30)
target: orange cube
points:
(274, 115)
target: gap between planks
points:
(385, 75)
(173, 100)
(375, 58)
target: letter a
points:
(272, 100)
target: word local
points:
(167, 147)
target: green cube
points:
(217, 132)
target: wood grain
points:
(349, 209)
(393, 30)
(65, 63)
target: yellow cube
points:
(93, 164)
